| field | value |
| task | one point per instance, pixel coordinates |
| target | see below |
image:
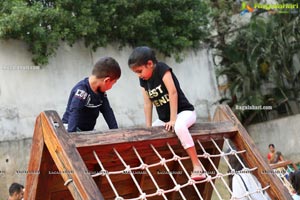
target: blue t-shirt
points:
(84, 106)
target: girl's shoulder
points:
(162, 65)
(162, 68)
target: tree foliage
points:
(168, 26)
(258, 62)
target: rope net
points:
(283, 175)
(161, 169)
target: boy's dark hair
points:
(15, 187)
(140, 56)
(271, 145)
(107, 67)
(295, 180)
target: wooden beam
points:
(35, 161)
(202, 131)
(284, 164)
(67, 158)
(253, 158)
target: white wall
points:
(283, 133)
(26, 93)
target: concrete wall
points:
(14, 156)
(283, 133)
(27, 91)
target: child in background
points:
(243, 182)
(295, 181)
(16, 191)
(161, 88)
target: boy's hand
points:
(170, 126)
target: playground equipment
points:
(139, 163)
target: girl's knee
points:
(180, 128)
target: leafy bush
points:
(258, 63)
(168, 26)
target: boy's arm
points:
(147, 108)
(77, 103)
(108, 114)
(173, 96)
(73, 120)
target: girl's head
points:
(142, 61)
(295, 180)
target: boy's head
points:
(141, 61)
(16, 191)
(108, 70)
(107, 67)
(295, 180)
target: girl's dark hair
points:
(236, 165)
(107, 67)
(295, 180)
(140, 56)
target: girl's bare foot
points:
(198, 174)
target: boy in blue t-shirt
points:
(88, 98)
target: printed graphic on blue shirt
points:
(84, 107)
(81, 94)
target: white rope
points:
(245, 169)
(107, 177)
(192, 182)
(167, 168)
(129, 170)
(177, 187)
(144, 166)
(209, 177)
(220, 175)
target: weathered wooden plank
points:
(284, 164)
(203, 130)
(35, 161)
(220, 116)
(253, 158)
(61, 195)
(73, 152)
(67, 158)
(110, 160)
(43, 192)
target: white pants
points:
(184, 120)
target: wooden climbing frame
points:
(135, 163)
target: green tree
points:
(168, 26)
(258, 62)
